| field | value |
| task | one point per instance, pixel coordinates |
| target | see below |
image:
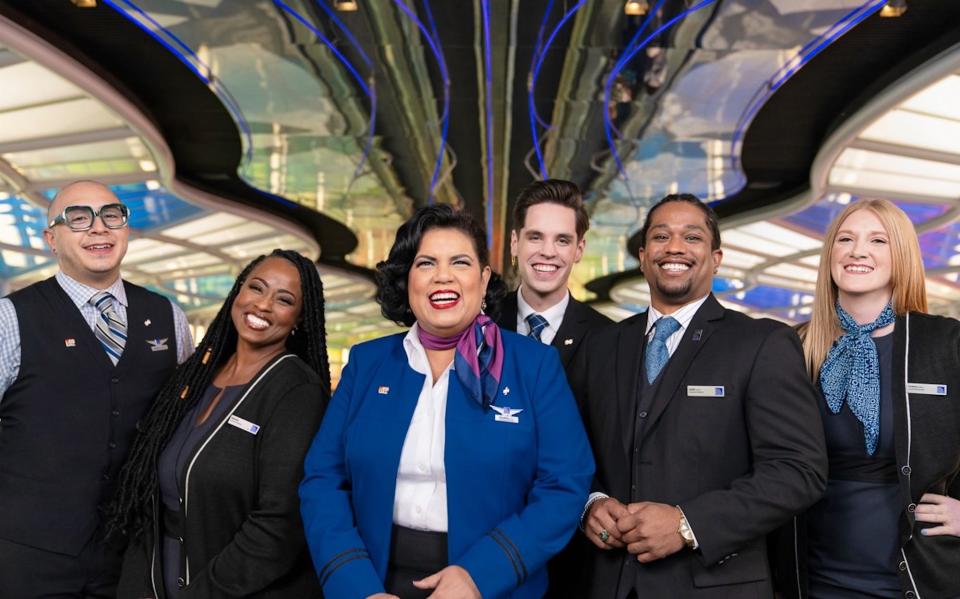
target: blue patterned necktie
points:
(536, 323)
(110, 330)
(657, 354)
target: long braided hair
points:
(128, 512)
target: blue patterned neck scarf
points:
(851, 372)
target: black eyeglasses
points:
(80, 218)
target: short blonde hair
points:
(906, 279)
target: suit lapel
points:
(571, 331)
(694, 339)
(508, 313)
(630, 347)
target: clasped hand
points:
(646, 529)
(453, 582)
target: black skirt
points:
(414, 554)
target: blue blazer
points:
(514, 491)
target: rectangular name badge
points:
(705, 391)
(926, 389)
(244, 425)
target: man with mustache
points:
(82, 355)
(704, 427)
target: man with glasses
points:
(82, 355)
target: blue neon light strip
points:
(536, 54)
(368, 89)
(346, 31)
(622, 61)
(803, 56)
(607, 123)
(434, 44)
(488, 76)
(532, 85)
(187, 56)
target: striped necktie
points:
(536, 323)
(110, 330)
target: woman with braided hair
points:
(208, 496)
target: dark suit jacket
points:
(578, 319)
(243, 535)
(927, 442)
(739, 465)
(566, 571)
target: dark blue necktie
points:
(657, 354)
(536, 323)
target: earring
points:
(513, 261)
(293, 331)
(483, 305)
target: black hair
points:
(713, 223)
(128, 513)
(555, 191)
(392, 273)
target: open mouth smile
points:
(444, 299)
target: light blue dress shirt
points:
(80, 294)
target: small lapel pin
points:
(506, 390)
(568, 341)
(697, 334)
(70, 342)
(146, 322)
(383, 390)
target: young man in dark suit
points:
(704, 426)
(549, 224)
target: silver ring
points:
(604, 535)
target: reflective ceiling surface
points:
(365, 115)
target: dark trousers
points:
(414, 554)
(31, 573)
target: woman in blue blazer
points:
(452, 459)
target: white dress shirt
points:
(684, 316)
(553, 314)
(420, 500)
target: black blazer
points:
(566, 571)
(739, 465)
(927, 446)
(578, 319)
(243, 531)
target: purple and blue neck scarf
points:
(478, 361)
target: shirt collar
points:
(416, 354)
(684, 315)
(81, 294)
(553, 314)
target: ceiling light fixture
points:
(894, 8)
(345, 5)
(85, 3)
(636, 8)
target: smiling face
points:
(90, 257)
(676, 258)
(860, 258)
(546, 248)
(268, 305)
(446, 283)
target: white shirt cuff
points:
(593, 498)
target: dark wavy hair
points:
(713, 223)
(555, 191)
(129, 511)
(392, 273)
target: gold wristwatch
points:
(684, 530)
